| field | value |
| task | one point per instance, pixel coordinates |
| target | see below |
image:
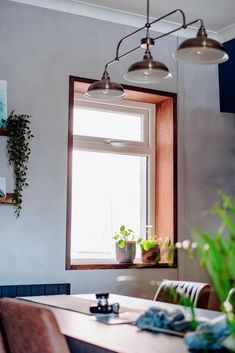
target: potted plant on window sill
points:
(126, 245)
(151, 247)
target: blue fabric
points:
(208, 336)
(3, 123)
(156, 318)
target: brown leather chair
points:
(2, 345)
(30, 328)
(172, 292)
(3, 348)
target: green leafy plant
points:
(125, 234)
(152, 240)
(181, 298)
(215, 252)
(148, 244)
(19, 135)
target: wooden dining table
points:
(84, 333)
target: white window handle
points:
(116, 142)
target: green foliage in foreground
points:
(215, 252)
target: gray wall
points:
(39, 50)
(207, 154)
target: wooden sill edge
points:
(8, 200)
(3, 132)
(118, 266)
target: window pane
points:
(113, 125)
(108, 190)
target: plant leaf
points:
(121, 243)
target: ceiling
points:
(218, 15)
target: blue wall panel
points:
(227, 80)
(51, 289)
(23, 291)
(34, 289)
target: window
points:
(113, 164)
(122, 163)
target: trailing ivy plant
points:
(18, 153)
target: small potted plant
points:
(151, 247)
(125, 245)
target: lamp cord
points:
(184, 25)
(147, 11)
(147, 25)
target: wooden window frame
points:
(166, 146)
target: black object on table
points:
(103, 306)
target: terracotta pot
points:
(126, 255)
(152, 255)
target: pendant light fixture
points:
(198, 50)
(201, 50)
(147, 70)
(105, 89)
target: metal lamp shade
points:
(201, 50)
(105, 89)
(147, 71)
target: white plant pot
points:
(2, 187)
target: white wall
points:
(39, 50)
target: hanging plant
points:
(19, 134)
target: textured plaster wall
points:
(207, 156)
(39, 50)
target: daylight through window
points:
(113, 173)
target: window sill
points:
(105, 266)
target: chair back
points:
(231, 297)
(30, 328)
(2, 345)
(172, 291)
(2, 340)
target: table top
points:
(123, 338)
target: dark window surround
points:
(79, 84)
